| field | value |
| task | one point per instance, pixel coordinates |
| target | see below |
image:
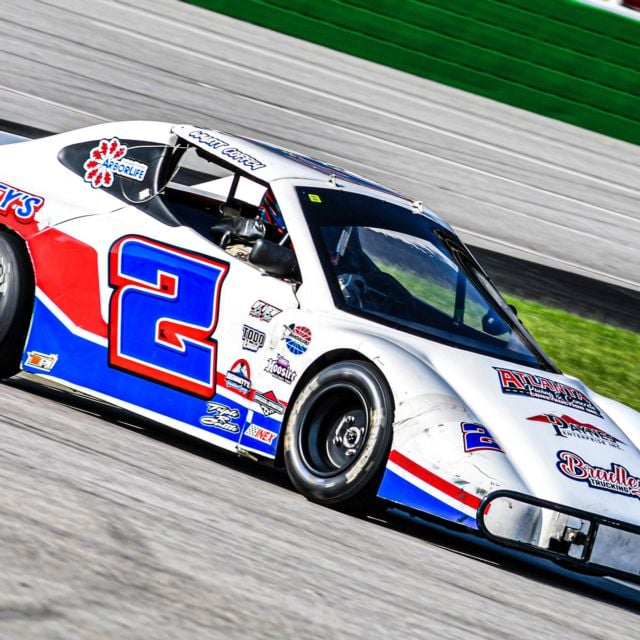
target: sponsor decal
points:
(238, 377)
(568, 427)
(475, 437)
(269, 403)
(43, 361)
(616, 479)
(221, 416)
(260, 433)
(21, 205)
(231, 153)
(532, 386)
(264, 311)
(108, 158)
(281, 369)
(297, 338)
(252, 339)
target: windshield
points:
(400, 268)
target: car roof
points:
(267, 162)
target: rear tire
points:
(339, 433)
(16, 302)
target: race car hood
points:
(482, 423)
(561, 444)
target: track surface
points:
(508, 180)
(108, 531)
(112, 528)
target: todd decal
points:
(252, 339)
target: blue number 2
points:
(163, 313)
(477, 438)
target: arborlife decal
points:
(107, 159)
(616, 479)
(477, 438)
(264, 311)
(21, 205)
(231, 153)
(221, 416)
(297, 338)
(269, 403)
(43, 361)
(238, 377)
(567, 427)
(260, 433)
(252, 339)
(281, 369)
(527, 384)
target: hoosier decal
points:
(527, 384)
(568, 427)
(616, 479)
(281, 369)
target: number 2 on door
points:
(163, 312)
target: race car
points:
(293, 312)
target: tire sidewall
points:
(358, 479)
(17, 303)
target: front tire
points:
(339, 433)
(16, 302)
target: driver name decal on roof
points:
(527, 384)
(616, 479)
(231, 153)
(21, 205)
(109, 158)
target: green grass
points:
(603, 357)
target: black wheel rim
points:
(334, 429)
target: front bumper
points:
(580, 540)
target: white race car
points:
(285, 309)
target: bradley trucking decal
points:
(533, 386)
(615, 479)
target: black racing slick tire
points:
(16, 302)
(339, 435)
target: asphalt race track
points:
(111, 527)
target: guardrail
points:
(559, 58)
